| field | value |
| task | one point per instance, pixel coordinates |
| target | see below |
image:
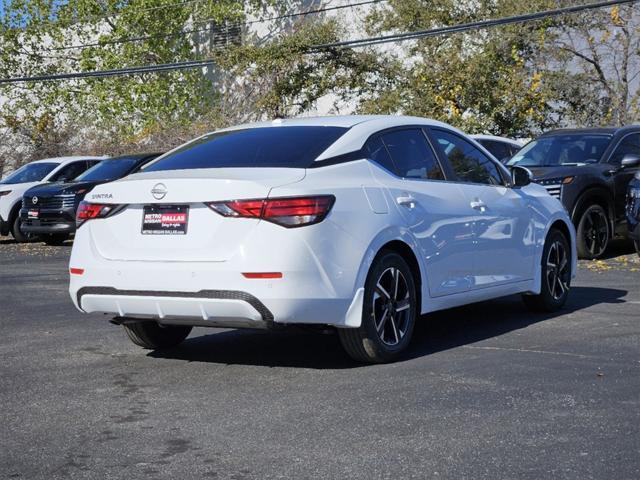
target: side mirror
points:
(520, 176)
(630, 160)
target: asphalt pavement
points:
(486, 391)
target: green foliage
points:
(282, 78)
(480, 81)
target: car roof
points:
(135, 156)
(360, 128)
(496, 139)
(68, 159)
(592, 131)
(344, 121)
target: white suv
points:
(13, 186)
(361, 223)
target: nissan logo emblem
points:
(34, 200)
(159, 191)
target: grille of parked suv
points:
(56, 202)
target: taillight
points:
(88, 211)
(288, 212)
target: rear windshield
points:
(108, 170)
(32, 172)
(292, 147)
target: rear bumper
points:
(207, 307)
(216, 293)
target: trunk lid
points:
(209, 236)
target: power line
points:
(329, 46)
(400, 37)
(163, 67)
(210, 20)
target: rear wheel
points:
(18, 235)
(556, 275)
(593, 232)
(388, 315)
(153, 336)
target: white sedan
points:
(14, 185)
(361, 223)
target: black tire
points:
(593, 232)
(18, 235)
(153, 336)
(56, 238)
(388, 318)
(556, 275)
(636, 243)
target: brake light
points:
(76, 271)
(88, 211)
(288, 212)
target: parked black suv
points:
(633, 211)
(589, 171)
(49, 210)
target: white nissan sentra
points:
(361, 223)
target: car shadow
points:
(434, 333)
(617, 248)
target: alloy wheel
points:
(558, 271)
(391, 306)
(596, 233)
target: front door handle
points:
(478, 205)
(406, 201)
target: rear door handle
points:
(478, 205)
(406, 201)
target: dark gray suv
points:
(589, 171)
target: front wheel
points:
(388, 314)
(556, 275)
(18, 235)
(153, 336)
(593, 232)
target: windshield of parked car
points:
(107, 170)
(32, 172)
(293, 147)
(554, 150)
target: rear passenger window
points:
(379, 154)
(412, 155)
(469, 163)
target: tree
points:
(594, 66)
(480, 81)
(283, 77)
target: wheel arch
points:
(598, 195)
(400, 241)
(561, 226)
(13, 213)
(408, 255)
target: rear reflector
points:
(288, 211)
(76, 271)
(262, 274)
